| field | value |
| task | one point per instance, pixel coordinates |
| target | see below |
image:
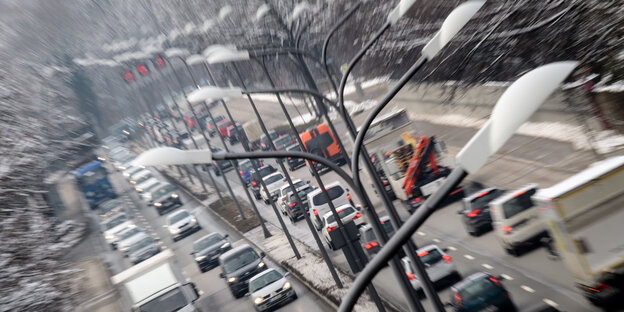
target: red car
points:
(222, 127)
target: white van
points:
(516, 219)
(317, 201)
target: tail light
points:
(357, 215)
(386, 183)
(241, 173)
(599, 287)
(292, 205)
(329, 229)
(507, 229)
(495, 281)
(473, 213)
(253, 183)
(370, 245)
(422, 254)
(349, 196)
(283, 199)
(262, 190)
(458, 300)
(447, 258)
(410, 276)
(284, 179)
(315, 212)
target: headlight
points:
(109, 237)
(100, 158)
(261, 265)
(132, 182)
(157, 204)
(174, 195)
(286, 285)
(138, 189)
(200, 258)
(232, 279)
(226, 245)
(258, 300)
(125, 174)
(148, 196)
(174, 230)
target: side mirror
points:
(192, 253)
(287, 274)
(226, 235)
(445, 249)
(308, 181)
(221, 275)
(247, 294)
(262, 254)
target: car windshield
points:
(430, 257)
(333, 192)
(369, 235)
(342, 213)
(173, 300)
(264, 280)
(207, 242)
(388, 228)
(163, 190)
(135, 171)
(273, 179)
(240, 260)
(482, 200)
(302, 193)
(141, 244)
(109, 205)
(476, 289)
(518, 204)
(129, 233)
(178, 217)
(245, 165)
(144, 178)
(116, 221)
(151, 187)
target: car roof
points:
(479, 192)
(509, 195)
(327, 186)
(327, 214)
(367, 226)
(235, 251)
(468, 280)
(272, 174)
(288, 185)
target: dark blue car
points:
(243, 169)
(480, 292)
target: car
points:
(207, 250)
(143, 178)
(270, 289)
(294, 163)
(347, 214)
(225, 165)
(284, 190)
(143, 249)
(238, 266)
(131, 170)
(146, 195)
(244, 169)
(110, 208)
(234, 133)
(516, 220)
(165, 198)
(129, 237)
(181, 224)
(438, 265)
(140, 188)
(256, 176)
(480, 292)
(283, 142)
(264, 142)
(212, 129)
(475, 213)
(273, 182)
(294, 211)
(114, 226)
(222, 127)
(318, 205)
(369, 240)
(136, 176)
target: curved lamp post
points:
(513, 108)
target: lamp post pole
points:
(330, 265)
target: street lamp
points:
(513, 108)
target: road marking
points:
(507, 277)
(527, 288)
(469, 257)
(550, 302)
(435, 240)
(487, 266)
(451, 248)
(188, 279)
(421, 233)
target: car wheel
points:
(294, 296)
(217, 173)
(512, 251)
(292, 220)
(266, 202)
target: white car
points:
(439, 266)
(115, 226)
(270, 289)
(285, 189)
(137, 176)
(347, 214)
(140, 187)
(318, 205)
(181, 224)
(147, 195)
(131, 170)
(273, 183)
(129, 237)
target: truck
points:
(411, 167)
(155, 285)
(321, 141)
(253, 132)
(92, 180)
(584, 216)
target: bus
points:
(93, 182)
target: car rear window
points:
(295, 148)
(265, 171)
(476, 289)
(273, 179)
(518, 204)
(430, 257)
(342, 213)
(333, 192)
(481, 202)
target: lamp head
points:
(212, 93)
(164, 156)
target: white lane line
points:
(487, 266)
(469, 257)
(188, 279)
(421, 233)
(451, 248)
(550, 302)
(435, 240)
(527, 288)
(507, 277)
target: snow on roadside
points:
(605, 141)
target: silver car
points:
(270, 289)
(129, 237)
(438, 264)
(181, 224)
(143, 249)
